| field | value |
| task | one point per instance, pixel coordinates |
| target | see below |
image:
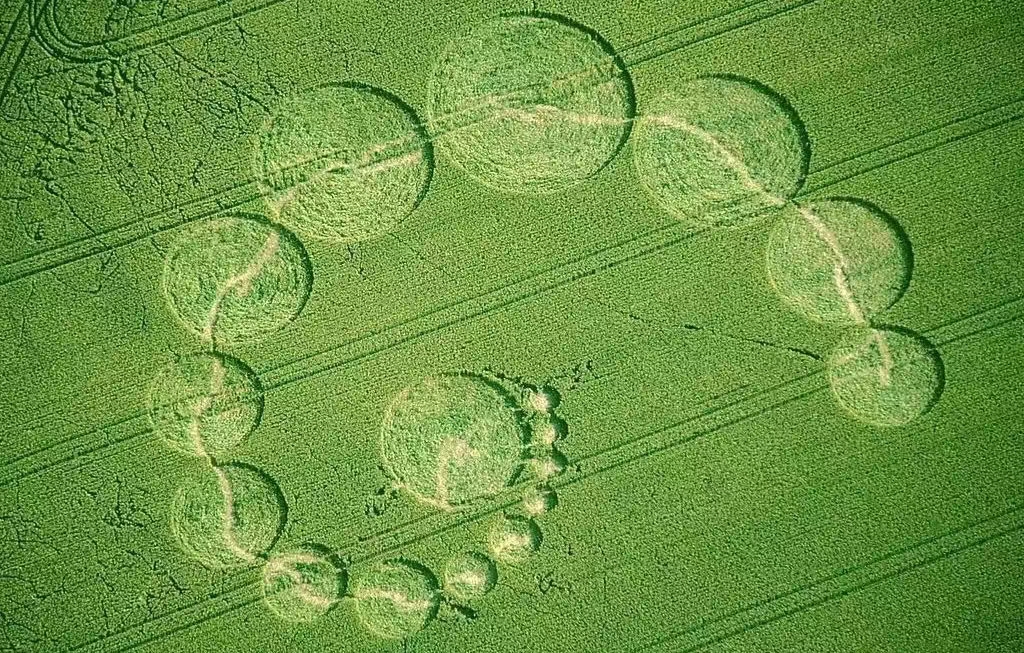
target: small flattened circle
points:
(205, 404)
(451, 439)
(532, 103)
(885, 377)
(343, 162)
(539, 500)
(469, 576)
(228, 516)
(301, 586)
(838, 261)
(514, 539)
(396, 599)
(236, 279)
(720, 151)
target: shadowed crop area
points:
(663, 326)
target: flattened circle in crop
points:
(236, 279)
(530, 103)
(514, 539)
(469, 576)
(451, 439)
(540, 500)
(885, 377)
(343, 162)
(396, 599)
(720, 151)
(205, 404)
(301, 586)
(838, 261)
(228, 516)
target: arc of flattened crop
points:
(88, 248)
(228, 518)
(57, 42)
(841, 278)
(953, 338)
(241, 283)
(941, 139)
(19, 35)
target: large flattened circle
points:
(301, 586)
(532, 103)
(343, 162)
(885, 377)
(236, 279)
(228, 516)
(838, 261)
(205, 404)
(720, 151)
(451, 439)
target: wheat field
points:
(538, 327)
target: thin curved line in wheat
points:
(399, 600)
(199, 408)
(228, 518)
(241, 283)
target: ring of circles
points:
(348, 162)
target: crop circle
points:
(838, 261)
(530, 103)
(720, 151)
(301, 586)
(228, 516)
(514, 539)
(539, 500)
(885, 377)
(343, 162)
(451, 439)
(205, 404)
(236, 279)
(396, 599)
(469, 576)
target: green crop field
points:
(550, 327)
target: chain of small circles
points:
(512, 539)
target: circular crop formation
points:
(719, 151)
(885, 377)
(451, 439)
(343, 162)
(236, 279)
(470, 576)
(514, 539)
(838, 261)
(396, 599)
(230, 517)
(301, 586)
(529, 103)
(205, 404)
